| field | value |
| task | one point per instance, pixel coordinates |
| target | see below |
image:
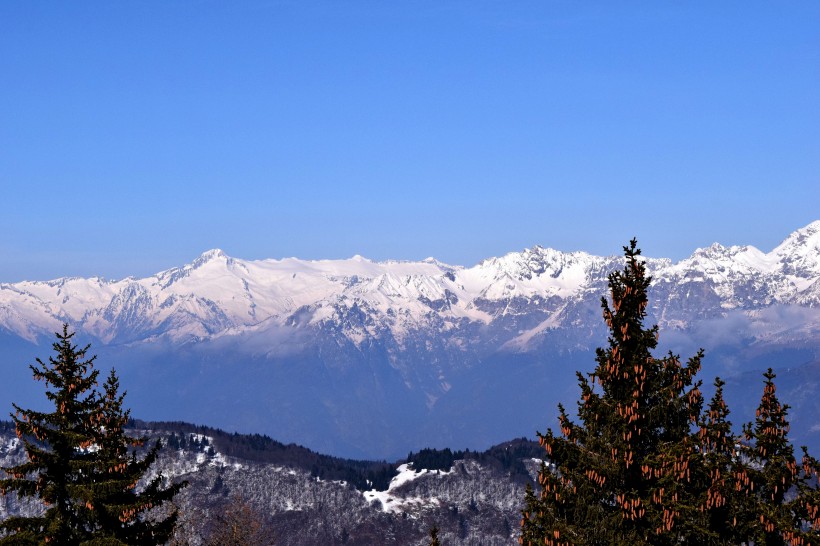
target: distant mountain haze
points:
(373, 359)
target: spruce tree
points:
(624, 474)
(119, 509)
(78, 463)
(782, 504)
(721, 501)
(60, 462)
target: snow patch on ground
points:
(391, 501)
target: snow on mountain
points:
(810, 297)
(799, 255)
(217, 295)
(536, 271)
(339, 354)
(390, 502)
(739, 276)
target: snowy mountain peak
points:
(209, 255)
(287, 338)
(218, 295)
(746, 256)
(800, 252)
(806, 239)
(715, 249)
(812, 227)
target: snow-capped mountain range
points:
(217, 295)
(411, 331)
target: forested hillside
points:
(304, 498)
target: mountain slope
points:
(368, 358)
(304, 498)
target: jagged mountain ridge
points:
(217, 295)
(372, 359)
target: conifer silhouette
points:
(78, 464)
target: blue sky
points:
(136, 135)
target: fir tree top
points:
(78, 463)
(620, 471)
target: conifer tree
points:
(623, 475)
(781, 504)
(119, 509)
(78, 463)
(60, 464)
(721, 500)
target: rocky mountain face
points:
(372, 359)
(293, 494)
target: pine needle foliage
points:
(78, 464)
(623, 475)
(721, 501)
(780, 500)
(647, 464)
(121, 513)
(60, 462)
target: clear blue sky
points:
(135, 135)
